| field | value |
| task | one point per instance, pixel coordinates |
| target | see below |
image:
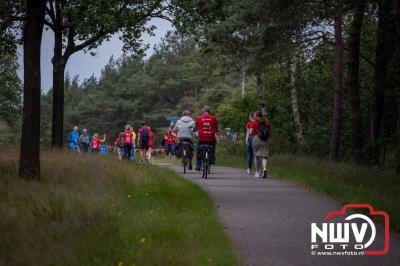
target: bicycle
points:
(185, 155)
(206, 161)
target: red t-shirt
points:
(151, 139)
(96, 143)
(255, 126)
(206, 126)
(169, 138)
(127, 137)
(250, 123)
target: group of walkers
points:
(126, 143)
(186, 129)
(84, 142)
(204, 128)
(258, 131)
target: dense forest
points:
(326, 73)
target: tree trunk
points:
(383, 52)
(295, 107)
(57, 137)
(397, 65)
(261, 92)
(337, 93)
(243, 82)
(29, 163)
(353, 65)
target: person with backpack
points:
(128, 138)
(170, 137)
(261, 131)
(249, 143)
(73, 140)
(144, 141)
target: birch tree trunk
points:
(261, 92)
(298, 128)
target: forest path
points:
(269, 220)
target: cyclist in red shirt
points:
(207, 128)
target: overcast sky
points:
(86, 65)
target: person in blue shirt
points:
(73, 139)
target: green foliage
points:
(10, 88)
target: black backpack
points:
(263, 132)
(145, 135)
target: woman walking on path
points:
(261, 130)
(128, 138)
(249, 143)
(170, 138)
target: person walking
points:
(151, 141)
(96, 142)
(249, 143)
(261, 131)
(170, 137)
(207, 127)
(127, 140)
(119, 145)
(84, 141)
(73, 139)
(144, 133)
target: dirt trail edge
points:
(269, 220)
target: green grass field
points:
(98, 211)
(346, 182)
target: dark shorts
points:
(144, 145)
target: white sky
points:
(86, 65)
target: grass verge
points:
(346, 182)
(99, 211)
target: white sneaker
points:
(257, 174)
(248, 171)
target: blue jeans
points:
(250, 154)
(170, 148)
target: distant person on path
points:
(73, 139)
(151, 145)
(170, 137)
(84, 141)
(249, 143)
(261, 131)
(128, 138)
(119, 145)
(207, 127)
(184, 130)
(144, 141)
(96, 142)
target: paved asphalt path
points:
(269, 220)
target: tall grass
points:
(346, 182)
(99, 211)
